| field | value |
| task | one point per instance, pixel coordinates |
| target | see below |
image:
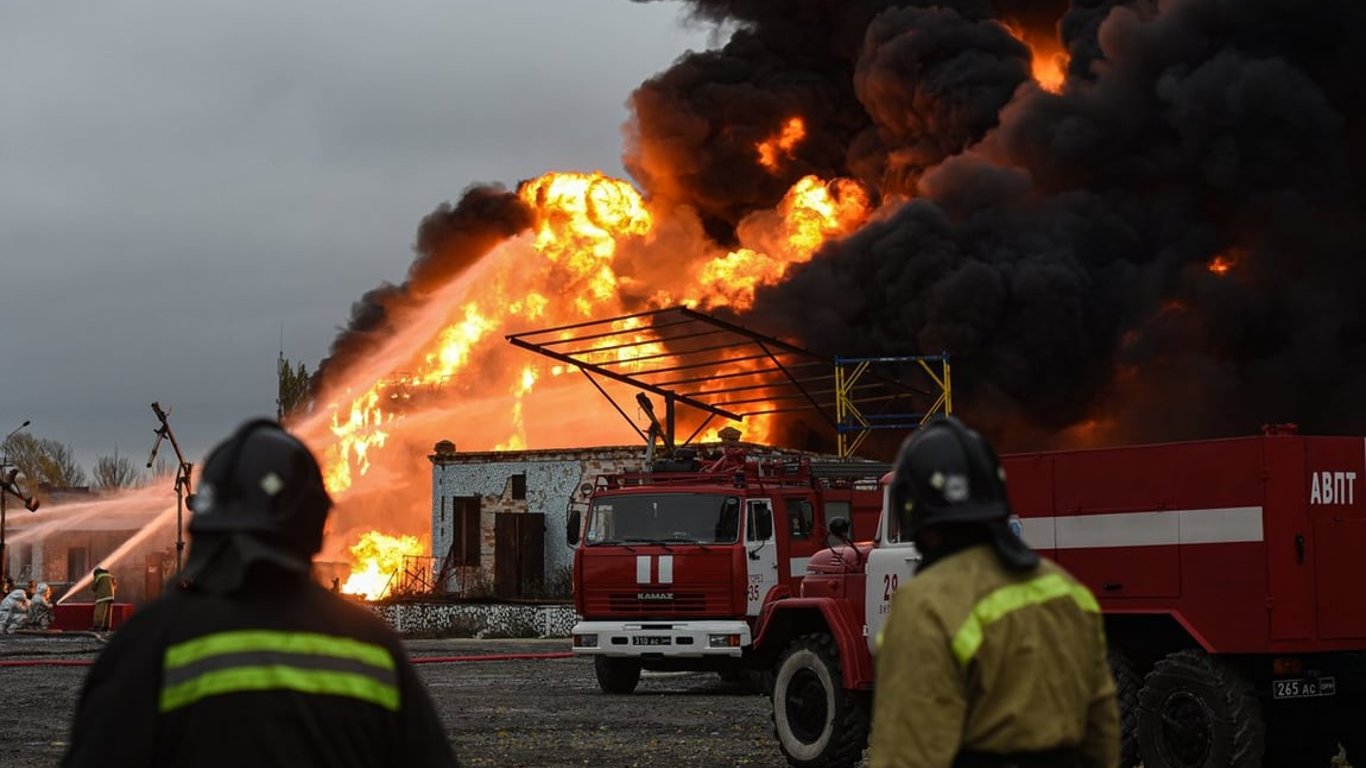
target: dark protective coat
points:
(286, 674)
(978, 658)
(104, 586)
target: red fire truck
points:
(1231, 577)
(674, 566)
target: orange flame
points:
(1047, 58)
(1224, 263)
(811, 213)
(446, 371)
(378, 560)
(781, 144)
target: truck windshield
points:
(696, 518)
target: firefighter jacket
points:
(975, 658)
(40, 609)
(104, 587)
(13, 611)
(288, 675)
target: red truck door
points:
(1289, 539)
(1336, 468)
(1112, 529)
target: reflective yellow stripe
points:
(248, 640)
(240, 679)
(1006, 600)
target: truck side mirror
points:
(572, 527)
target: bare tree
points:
(44, 461)
(163, 468)
(114, 472)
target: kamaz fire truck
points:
(674, 566)
(1232, 578)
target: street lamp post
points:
(7, 486)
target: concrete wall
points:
(553, 480)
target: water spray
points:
(182, 478)
(118, 554)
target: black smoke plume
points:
(1172, 246)
(449, 240)
(1066, 257)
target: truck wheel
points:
(1127, 685)
(818, 723)
(1196, 712)
(617, 676)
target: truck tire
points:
(818, 723)
(616, 676)
(1127, 685)
(1196, 712)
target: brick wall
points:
(553, 479)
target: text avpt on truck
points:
(675, 567)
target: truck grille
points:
(692, 603)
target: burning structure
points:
(1126, 220)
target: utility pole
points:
(8, 476)
(280, 379)
(182, 478)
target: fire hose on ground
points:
(416, 660)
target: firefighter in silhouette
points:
(991, 657)
(249, 661)
(104, 585)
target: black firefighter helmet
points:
(263, 488)
(947, 474)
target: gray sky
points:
(178, 181)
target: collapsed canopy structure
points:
(689, 358)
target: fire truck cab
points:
(1230, 576)
(675, 566)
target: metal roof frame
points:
(703, 364)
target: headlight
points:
(723, 641)
(585, 641)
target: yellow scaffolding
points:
(853, 421)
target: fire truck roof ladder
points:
(689, 358)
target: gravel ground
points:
(502, 713)
(513, 713)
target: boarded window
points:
(519, 487)
(465, 534)
(77, 561)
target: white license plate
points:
(1304, 687)
(650, 640)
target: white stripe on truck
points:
(1226, 525)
